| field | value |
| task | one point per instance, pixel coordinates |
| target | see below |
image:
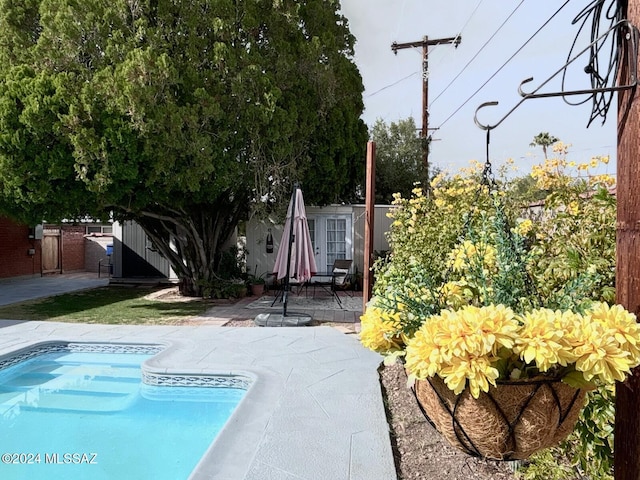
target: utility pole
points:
(425, 43)
(627, 426)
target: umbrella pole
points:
(287, 286)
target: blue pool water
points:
(77, 415)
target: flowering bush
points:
(491, 309)
(483, 287)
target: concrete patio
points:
(314, 411)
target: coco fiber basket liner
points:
(511, 421)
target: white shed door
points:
(331, 238)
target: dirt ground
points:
(419, 450)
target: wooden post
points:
(627, 426)
(370, 206)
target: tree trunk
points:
(193, 242)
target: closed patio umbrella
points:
(295, 257)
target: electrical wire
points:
(456, 42)
(504, 64)
(391, 85)
(478, 52)
(419, 51)
(605, 77)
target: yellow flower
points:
(573, 208)
(476, 370)
(524, 227)
(599, 354)
(380, 330)
(461, 346)
(456, 294)
(540, 339)
(465, 253)
(622, 325)
(424, 358)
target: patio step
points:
(70, 387)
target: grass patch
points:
(110, 305)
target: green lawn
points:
(110, 305)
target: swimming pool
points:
(90, 411)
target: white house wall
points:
(261, 262)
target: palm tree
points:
(544, 139)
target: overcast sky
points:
(393, 83)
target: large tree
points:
(399, 163)
(180, 115)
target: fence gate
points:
(51, 251)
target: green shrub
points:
(569, 241)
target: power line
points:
(478, 52)
(475, 10)
(392, 84)
(419, 52)
(504, 64)
(471, 16)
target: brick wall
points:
(73, 248)
(15, 244)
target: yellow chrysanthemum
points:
(424, 357)
(476, 371)
(498, 324)
(608, 345)
(460, 346)
(380, 330)
(540, 339)
(600, 354)
(622, 324)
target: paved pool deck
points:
(314, 410)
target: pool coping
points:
(314, 409)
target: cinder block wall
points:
(15, 244)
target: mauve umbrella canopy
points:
(295, 259)
(296, 251)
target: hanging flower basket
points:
(511, 421)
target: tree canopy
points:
(399, 163)
(179, 115)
